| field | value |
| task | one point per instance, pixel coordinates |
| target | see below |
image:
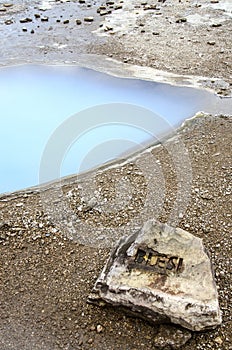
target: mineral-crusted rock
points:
(162, 274)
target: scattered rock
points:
(150, 7)
(218, 340)
(8, 22)
(155, 33)
(82, 1)
(99, 328)
(163, 274)
(211, 42)
(8, 5)
(44, 19)
(171, 336)
(25, 20)
(118, 7)
(104, 12)
(88, 19)
(24, 29)
(2, 10)
(32, 31)
(37, 15)
(66, 21)
(216, 25)
(78, 22)
(181, 20)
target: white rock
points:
(163, 274)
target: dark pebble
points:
(8, 22)
(181, 20)
(25, 20)
(78, 22)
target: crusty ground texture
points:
(46, 275)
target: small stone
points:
(218, 340)
(8, 5)
(162, 273)
(24, 29)
(37, 15)
(8, 22)
(32, 31)
(82, 1)
(25, 20)
(155, 33)
(78, 22)
(99, 328)
(181, 20)
(44, 19)
(171, 336)
(214, 1)
(104, 13)
(216, 25)
(88, 19)
(66, 21)
(211, 42)
(118, 7)
(2, 10)
(90, 341)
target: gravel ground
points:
(48, 267)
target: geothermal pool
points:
(37, 101)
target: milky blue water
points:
(36, 100)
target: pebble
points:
(99, 328)
(8, 22)
(66, 21)
(7, 5)
(211, 42)
(104, 13)
(216, 25)
(118, 7)
(82, 1)
(25, 20)
(37, 15)
(88, 19)
(78, 22)
(181, 20)
(2, 10)
(44, 19)
(218, 340)
(24, 29)
(32, 31)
